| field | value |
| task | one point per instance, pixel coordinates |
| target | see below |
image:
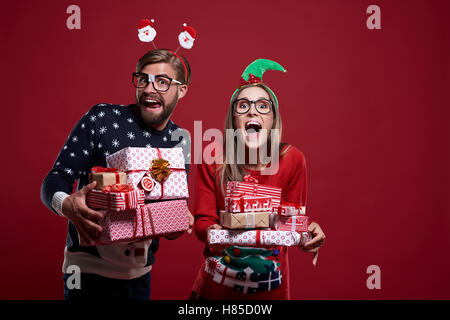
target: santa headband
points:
(147, 33)
(253, 74)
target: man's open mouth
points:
(151, 103)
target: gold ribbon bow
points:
(160, 169)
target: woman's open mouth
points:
(253, 129)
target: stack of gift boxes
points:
(255, 216)
(135, 176)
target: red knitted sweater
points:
(208, 200)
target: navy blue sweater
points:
(103, 130)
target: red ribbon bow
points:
(125, 188)
(118, 188)
(98, 169)
(289, 204)
(249, 178)
(251, 79)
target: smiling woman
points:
(256, 115)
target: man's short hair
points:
(165, 56)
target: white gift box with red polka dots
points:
(258, 238)
(137, 163)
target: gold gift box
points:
(107, 178)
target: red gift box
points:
(247, 204)
(115, 198)
(291, 223)
(250, 187)
(167, 217)
(289, 209)
(151, 220)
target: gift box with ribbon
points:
(289, 209)
(291, 223)
(166, 217)
(117, 197)
(248, 204)
(160, 172)
(258, 238)
(121, 226)
(151, 220)
(251, 187)
(247, 220)
(106, 177)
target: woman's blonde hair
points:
(235, 171)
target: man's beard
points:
(167, 109)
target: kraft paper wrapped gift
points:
(115, 198)
(248, 204)
(149, 221)
(160, 172)
(247, 220)
(106, 177)
(258, 238)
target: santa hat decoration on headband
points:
(187, 36)
(254, 72)
(146, 32)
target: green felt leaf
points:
(259, 66)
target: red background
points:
(369, 109)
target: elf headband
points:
(253, 75)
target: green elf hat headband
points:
(254, 72)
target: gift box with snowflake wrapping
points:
(151, 220)
(160, 172)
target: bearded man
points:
(120, 270)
